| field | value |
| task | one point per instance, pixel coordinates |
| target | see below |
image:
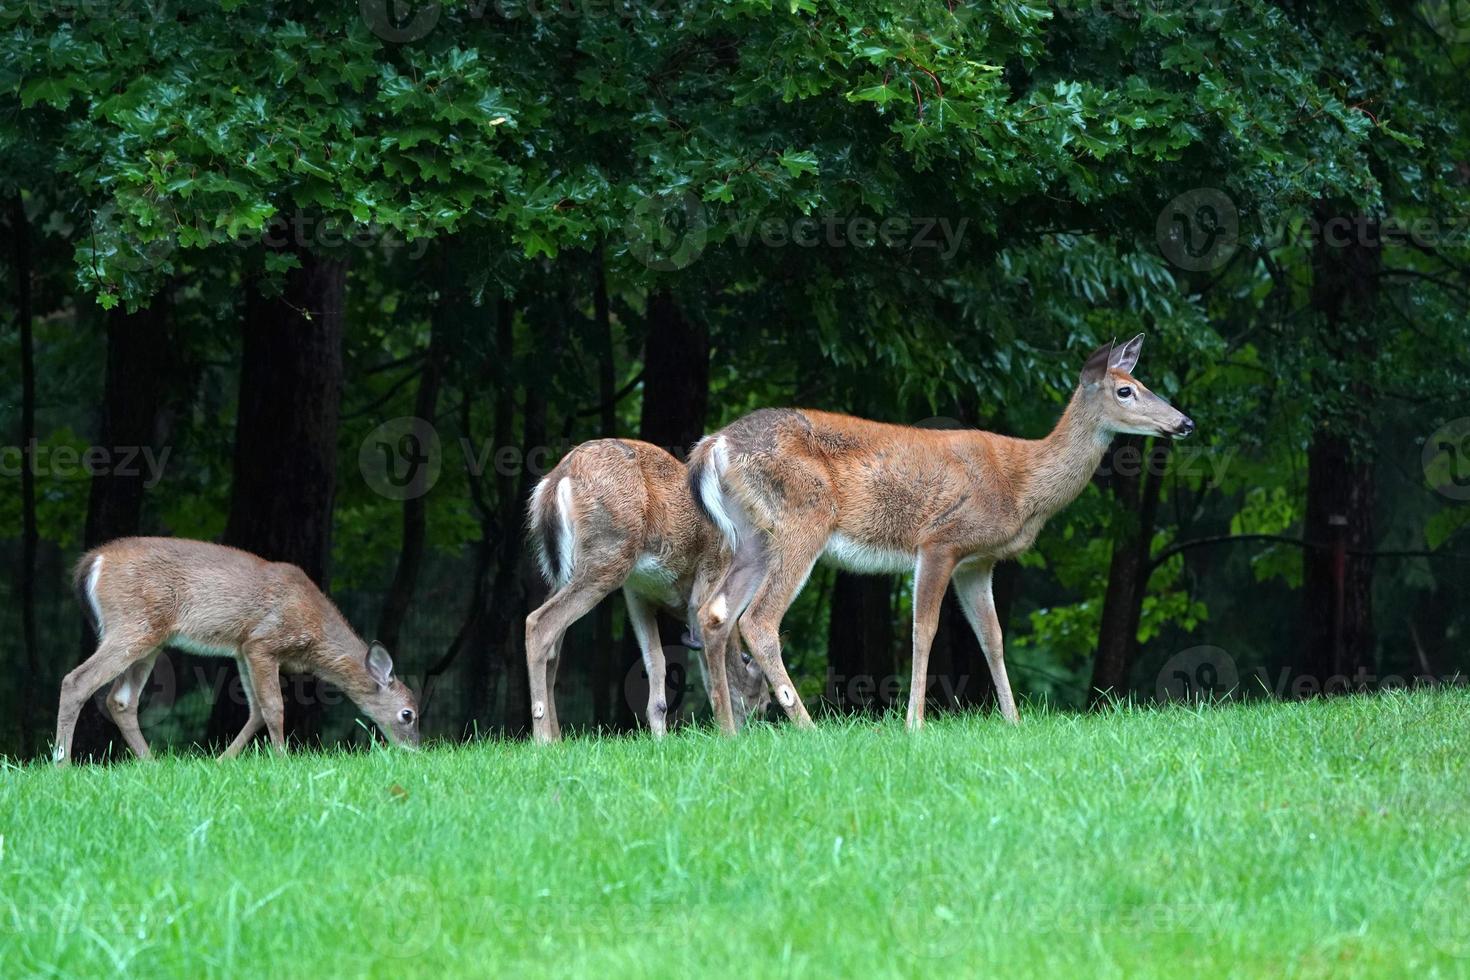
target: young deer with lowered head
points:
(616, 513)
(144, 594)
(788, 487)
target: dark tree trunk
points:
(415, 506)
(285, 469)
(675, 405)
(20, 230)
(862, 675)
(516, 585)
(138, 368)
(1337, 585)
(1137, 482)
(480, 694)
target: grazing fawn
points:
(144, 594)
(788, 487)
(617, 513)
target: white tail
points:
(144, 594)
(617, 513)
(789, 487)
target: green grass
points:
(1296, 839)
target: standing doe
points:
(787, 487)
(616, 513)
(144, 594)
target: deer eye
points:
(1125, 392)
(744, 657)
(406, 716)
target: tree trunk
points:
(138, 369)
(675, 405)
(285, 469)
(20, 229)
(415, 506)
(862, 676)
(1138, 492)
(1337, 586)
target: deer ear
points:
(1125, 358)
(1097, 364)
(380, 664)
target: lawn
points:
(1266, 839)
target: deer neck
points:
(1061, 465)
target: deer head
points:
(1121, 404)
(386, 699)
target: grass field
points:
(1298, 839)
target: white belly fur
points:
(198, 649)
(650, 578)
(857, 556)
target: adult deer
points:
(144, 594)
(616, 513)
(788, 487)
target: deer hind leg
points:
(123, 701)
(113, 657)
(727, 600)
(645, 627)
(760, 623)
(973, 587)
(545, 628)
(552, 663)
(932, 572)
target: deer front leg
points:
(255, 721)
(931, 578)
(262, 673)
(645, 626)
(973, 587)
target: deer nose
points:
(1185, 427)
